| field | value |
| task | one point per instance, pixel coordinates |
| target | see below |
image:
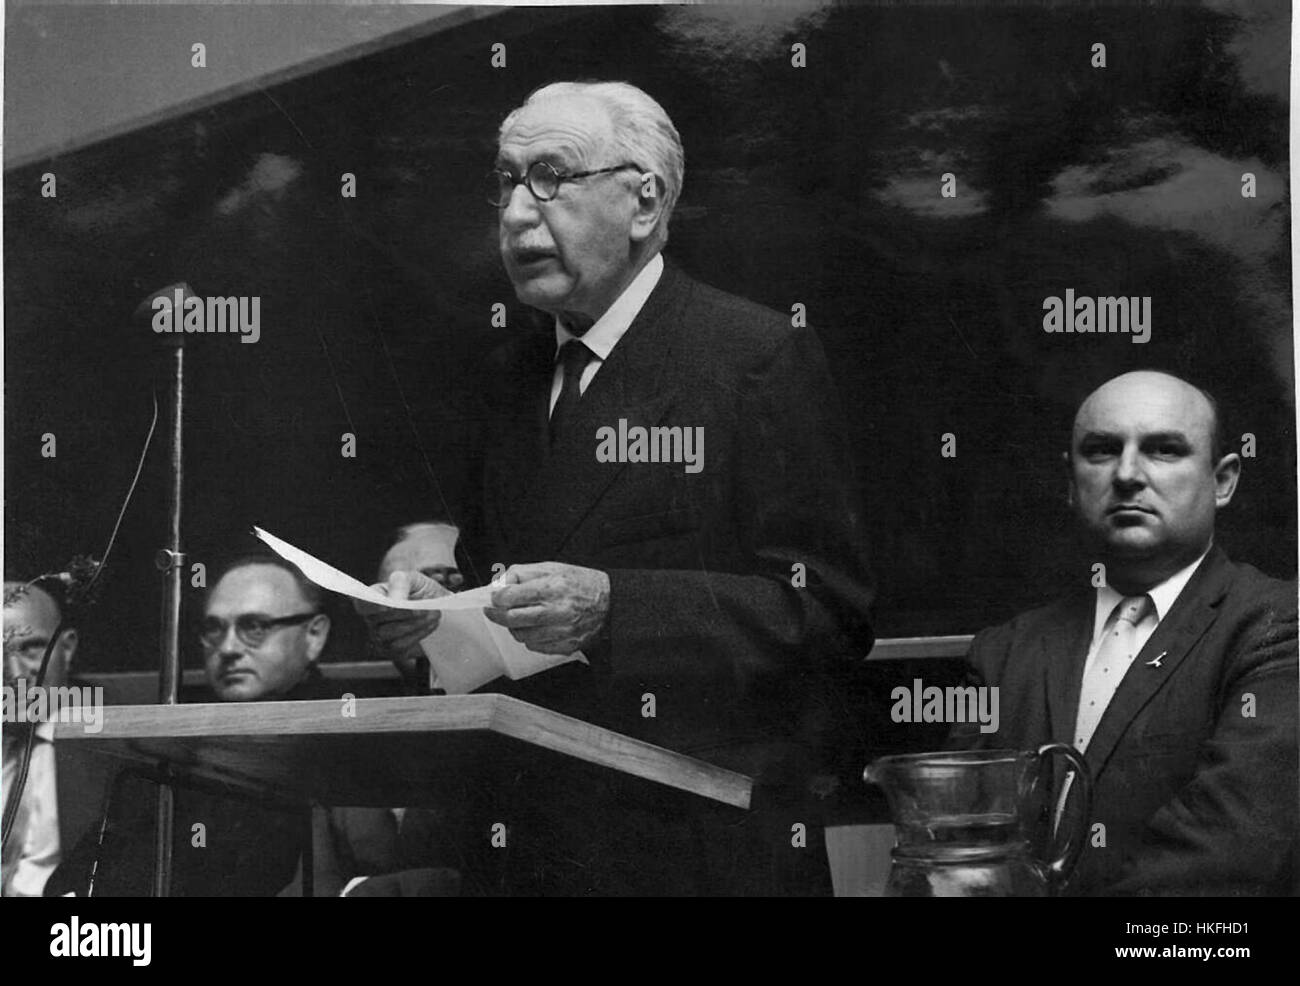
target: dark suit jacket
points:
(394, 856)
(735, 591)
(1197, 795)
(704, 612)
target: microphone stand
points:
(170, 561)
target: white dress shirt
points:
(604, 335)
(1163, 596)
(34, 847)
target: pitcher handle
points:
(1072, 846)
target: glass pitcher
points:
(965, 822)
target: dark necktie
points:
(574, 357)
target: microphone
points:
(77, 582)
(163, 312)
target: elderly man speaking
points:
(666, 487)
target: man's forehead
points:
(567, 128)
(255, 588)
(30, 606)
(1146, 404)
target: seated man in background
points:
(31, 617)
(1175, 676)
(264, 627)
(427, 547)
(263, 630)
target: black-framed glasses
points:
(542, 180)
(251, 628)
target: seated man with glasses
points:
(263, 629)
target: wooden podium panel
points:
(393, 751)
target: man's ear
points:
(649, 206)
(318, 632)
(64, 651)
(1226, 474)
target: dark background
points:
(817, 185)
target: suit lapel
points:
(1191, 616)
(1064, 650)
(630, 384)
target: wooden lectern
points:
(381, 752)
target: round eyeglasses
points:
(251, 629)
(542, 180)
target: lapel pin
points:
(1155, 662)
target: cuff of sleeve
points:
(354, 882)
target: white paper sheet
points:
(466, 651)
(462, 654)
(329, 577)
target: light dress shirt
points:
(34, 846)
(607, 330)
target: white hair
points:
(642, 131)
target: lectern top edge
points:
(154, 732)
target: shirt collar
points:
(604, 335)
(1163, 595)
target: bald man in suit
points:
(1176, 679)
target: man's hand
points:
(398, 632)
(551, 608)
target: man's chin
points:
(549, 292)
(1133, 542)
(239, 691)
(1131, 538)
